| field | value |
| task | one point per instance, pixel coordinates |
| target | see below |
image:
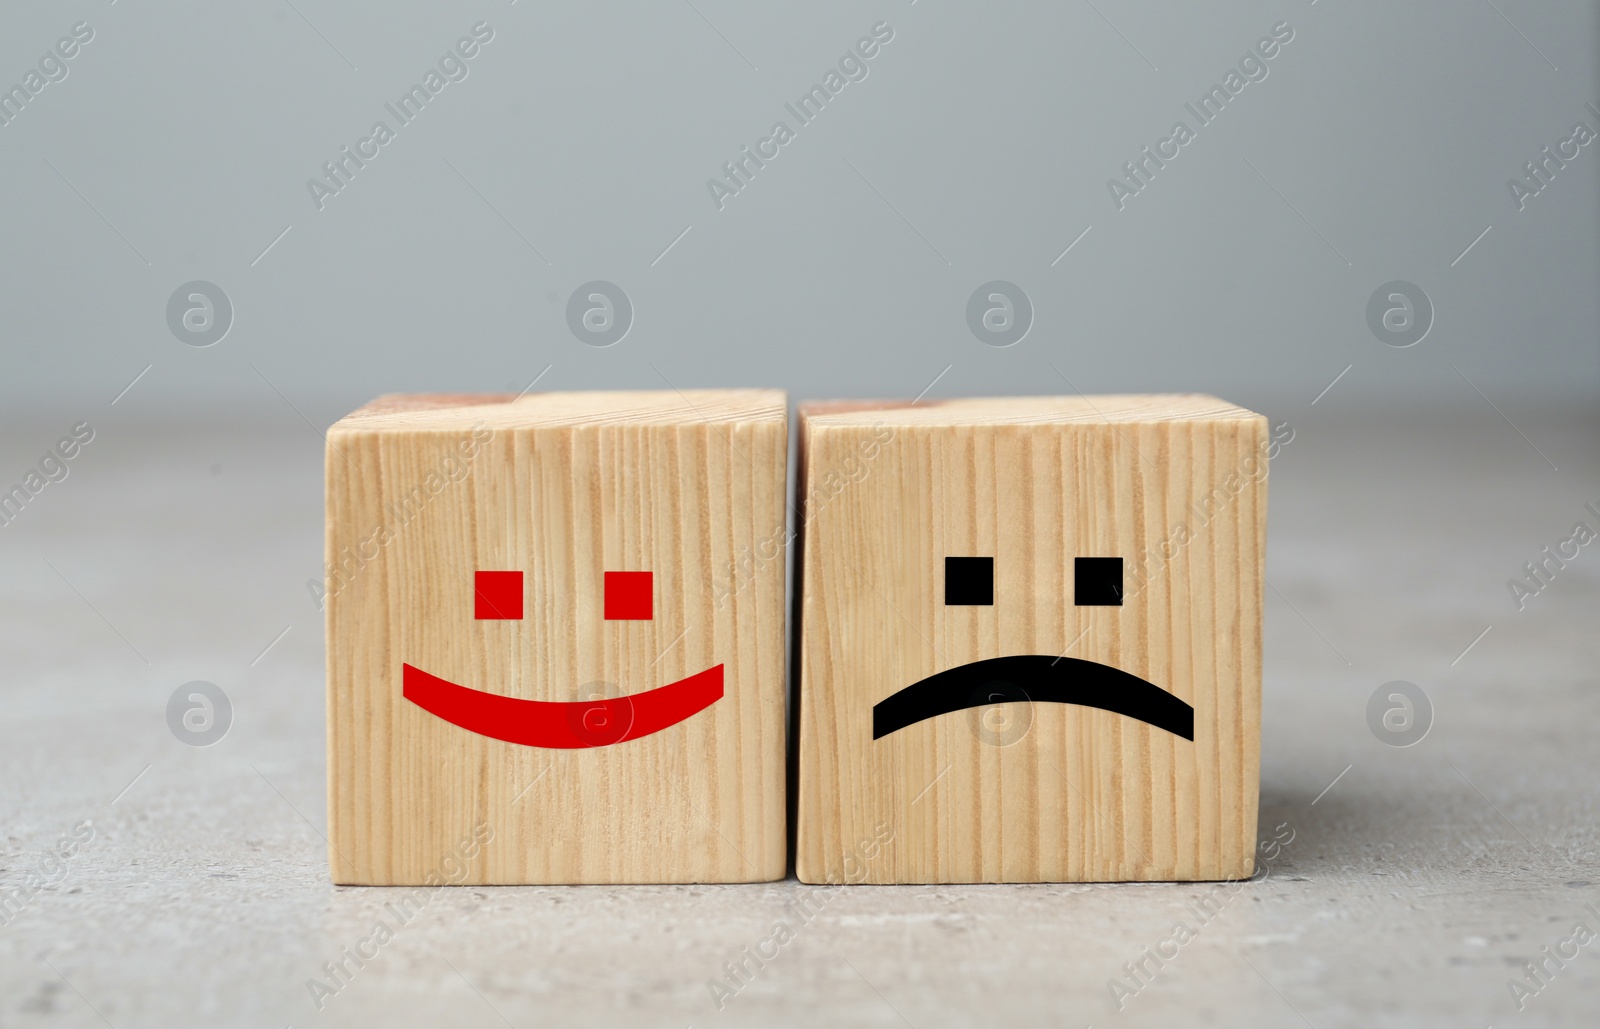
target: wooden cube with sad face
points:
(533, 641)
(1030, 639)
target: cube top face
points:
(1030, 639)
(537, 669)
(420, 412)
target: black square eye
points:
(1097, 581)
(969, 581)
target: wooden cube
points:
(1030, 639)
(538, 671)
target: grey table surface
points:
(1412, 885)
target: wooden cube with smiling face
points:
(538, 671)
(1030, 639)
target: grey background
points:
(1419, 481)
(992, 129)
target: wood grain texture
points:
(423, 491)
(1027, 792)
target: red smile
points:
(563, 725)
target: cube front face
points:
(534, 673)
(987, 694)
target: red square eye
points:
(497, 595)
(628, 596)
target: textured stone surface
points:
(1412, 889)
